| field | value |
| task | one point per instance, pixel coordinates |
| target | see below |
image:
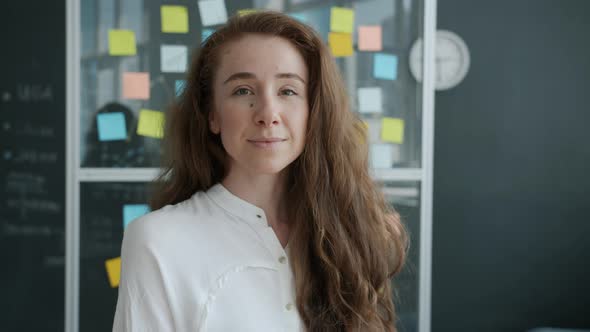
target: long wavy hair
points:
(345, 242)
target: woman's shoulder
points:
(192, 217)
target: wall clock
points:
(452, 60)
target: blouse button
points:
(282, 259)
(289, 306)
(259, 216)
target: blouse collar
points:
(237, 206)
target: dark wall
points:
(32, 165)
(511, 248)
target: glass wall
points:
(133, 61)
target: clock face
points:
(451, 60)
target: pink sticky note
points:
(136, 85)
(370, 38)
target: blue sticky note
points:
(179, 87)
(299, 16)
(206, 33)
(385, 66)
(111, 126)
(132, 212)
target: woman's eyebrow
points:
(247, 75)
(290, 75)
(238, 76)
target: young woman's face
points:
(260, 103)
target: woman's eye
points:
(289, 92)
(242, 92)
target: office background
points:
(510, 220)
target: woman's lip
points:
(269, 140)
(266, 144)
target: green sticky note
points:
(247, 11)
(392, 130)
(174, 19)
(151, 123)
(341, 20)
(122, 42)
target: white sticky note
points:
(173, 58)
(374, 125)
(381, 155)
(370, 100)
(212, 12)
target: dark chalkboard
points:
(32, 165)
(511, 236)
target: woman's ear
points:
(214, 123)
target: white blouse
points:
(210, 263)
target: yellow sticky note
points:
(151, 123)
(341, 19)
(370, 38)
(174, 19)
(392, 130)
(136, 85)
(113, 266)
(122, 42)
(243, 12)
(340, 44)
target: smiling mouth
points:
(267, 143)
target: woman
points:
(266, 218)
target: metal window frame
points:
(75, 175)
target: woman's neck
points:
(266, 191)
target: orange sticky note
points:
(174, 19)
(136, 85)
(122, 42)
(341, 19)
(151, 123)
(340, 44)
(370, 38)
(113, 267)
(392, 130)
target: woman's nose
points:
(266, 113)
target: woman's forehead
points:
(262, 55)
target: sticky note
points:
(132, 212)
(374, 125)
(370, 38)
(179, 87)
(392, 130)
(206, 33)
(174, 19)
(381, 155)
(243, 12)
(173, 58)
(340, 44)
(113, 267)
(370, 100)
(385, 66)
(136, 85)
(341, 20)
(212, 12)
(299, 16)
(150, 123)
(122, 42)
(111, 126)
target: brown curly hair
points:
(346, 243)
